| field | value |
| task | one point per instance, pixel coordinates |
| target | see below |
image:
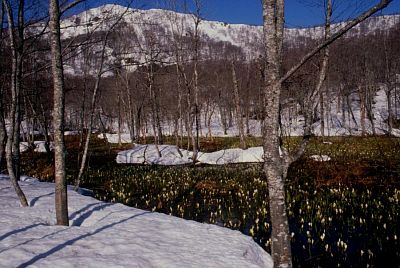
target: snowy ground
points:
(112, 235)
(171, 155)
(293, 125)
(149, 154)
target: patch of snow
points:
(320, 158)
(71, 132)
(150, 155)
(231, 156)
(113, 138)
(39, 146)
(28, 179)
(112, 235)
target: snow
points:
(294, 125)
(113, 138)
(150, 154)
(112, 235)
(71, 132)
(39, 146)
(230, 156)
(320, 158)
(247, 37)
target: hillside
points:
(164, 24)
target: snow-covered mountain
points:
(163, 25)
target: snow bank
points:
(170, 156)
(231, 156)
(149, 154)
(112, 235)
(39, 146)
(113, 138)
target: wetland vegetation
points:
(342, 211)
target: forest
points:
(103, 98)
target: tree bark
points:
(275, 166)
(12, 146)
(362, 109)
(61, 199)
(239, 116)
(3, 131)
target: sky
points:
(298, 13)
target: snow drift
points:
(112, 235)
(172, 155)
(150, 154)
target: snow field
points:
(112, 235)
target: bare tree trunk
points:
(390, 109)
(61, 200)
(83, 104)
(12, 146)
(388, 88)
(197, 20)
(239, 117)
(343, 106)
(158, 119)
(3, 131)
(351, 113)
(92, 112)
(119, 118)
(322, 113)
(138, 121)
(362, 109)
(131, 112)
(369, 108)
(273, 165)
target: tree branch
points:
(69, 6)
(381, 5)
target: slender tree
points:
(276, 165)
(16, 34)
(93, 103)
(238, 109)
(61, 199)
(3, 132)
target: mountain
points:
(247, 37)
(144, 36)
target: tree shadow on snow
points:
(72, 241)
(20, 230)
(35, 199)
(87, 212)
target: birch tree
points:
(100, 72)
(61, 200)
(3, 132)
(16, 36)
(238, 109)
(276, 165)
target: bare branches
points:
(66, 7)
(381, 5)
